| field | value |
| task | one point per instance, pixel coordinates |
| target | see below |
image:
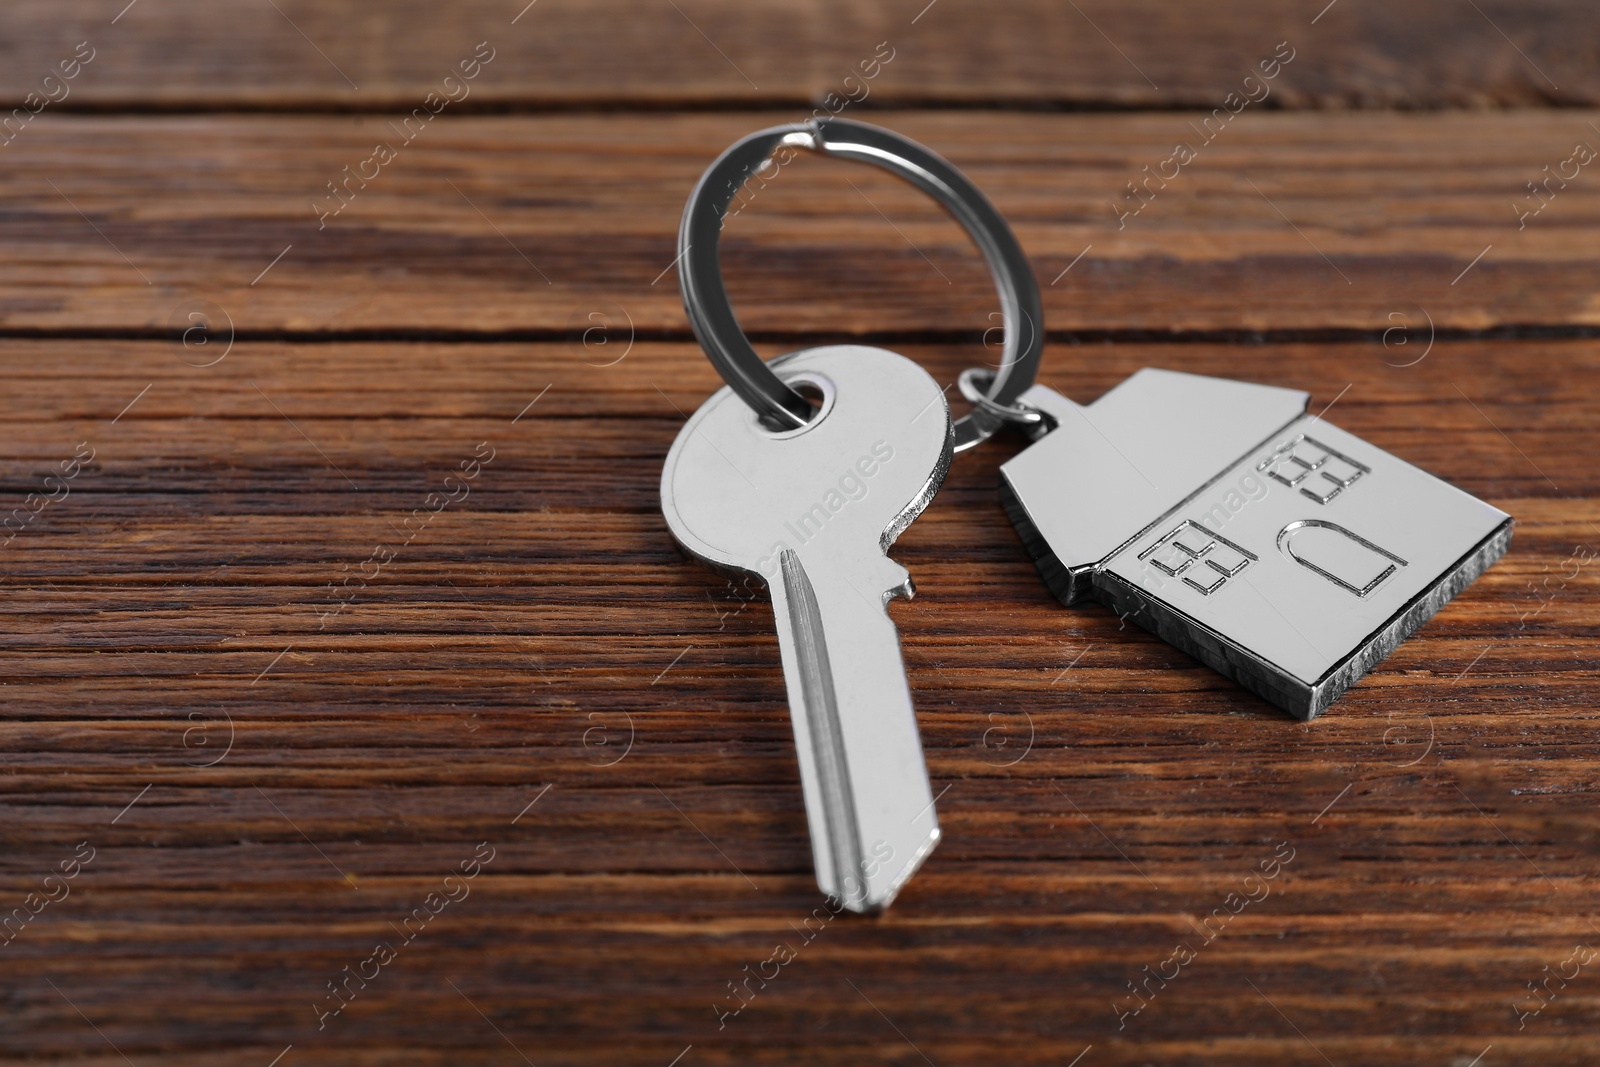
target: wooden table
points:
(268, 696)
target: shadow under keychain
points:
(1274, 547)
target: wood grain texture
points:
(545, 627)
(495, 225)
(254, 787)
(319, 55)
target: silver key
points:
(812, 512)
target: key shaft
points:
(868, 797)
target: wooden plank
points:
(1440, 815)
(578, 53)
(1378, 223)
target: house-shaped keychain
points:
(1270, 545)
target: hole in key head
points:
(818, 391)
(812, 392)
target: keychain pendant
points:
(1271, 545)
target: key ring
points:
(974, 380)
(706, 300)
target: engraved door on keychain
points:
(1270, 545)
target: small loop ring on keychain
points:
(972, 383)
(717, 328)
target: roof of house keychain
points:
(761, 482)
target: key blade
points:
(868, 799)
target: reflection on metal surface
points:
(812, 511)
(1348, 560)
(1165, 498)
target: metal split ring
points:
(972, 383)
(715, 325)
